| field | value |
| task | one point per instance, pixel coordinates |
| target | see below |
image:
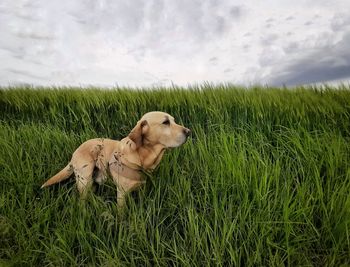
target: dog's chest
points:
(118, 168)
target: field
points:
(263, 181)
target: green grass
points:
(264, 180)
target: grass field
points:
(264, 180)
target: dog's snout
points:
(187, 131)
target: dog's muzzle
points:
(186, 132)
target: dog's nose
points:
(187, 132)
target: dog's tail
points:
(62, 175)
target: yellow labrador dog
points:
(124, 160)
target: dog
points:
(124, 160)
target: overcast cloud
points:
(160, 42)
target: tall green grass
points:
(263, 181)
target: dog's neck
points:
(150, 156)
(146, 157)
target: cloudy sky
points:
(160, 42)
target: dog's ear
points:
(136, 134)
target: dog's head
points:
(158, 128)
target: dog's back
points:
(89, 155)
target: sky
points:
(142, 43)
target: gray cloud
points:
(34, 35)
(157, 41)
(246, 47)
(24, 73)
(340, 21)
(123, 17)
(268, 39)
(327, 63)
(25, 16)
(291, 47)
(236, 12)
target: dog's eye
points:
(166, 122)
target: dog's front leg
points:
(124, 186)
(120, 198)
